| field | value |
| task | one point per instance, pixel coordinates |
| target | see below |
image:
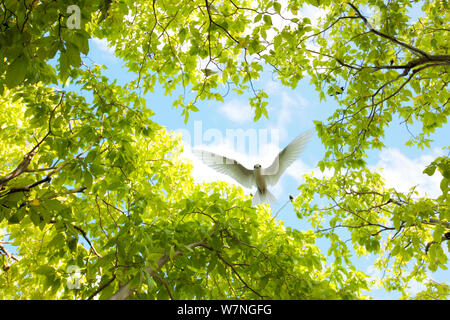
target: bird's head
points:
(257, 166)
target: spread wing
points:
(286, 157)
(227, 166)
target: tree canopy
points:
(97, 202)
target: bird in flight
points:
(259, 177)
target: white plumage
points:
(259, 177)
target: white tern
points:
(259, 177)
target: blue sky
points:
(291, 112)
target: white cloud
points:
(414, 287)
(313, 13)
(291, 109)
(102, 44)
(403, 173)
(374, 274)
(398, 171)
(298, 169)
(291, 104)
(272, 87)
(308, 11)
(237, 111)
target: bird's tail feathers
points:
(266, 197)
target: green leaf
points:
(171, 252)
(135, 281)
(57, 240)
(72, 243)
(430, 170)
(150, 282)
(80, 39)
(257, 114)
(444, 185)
(73, 55)
(34, 216)
(267, 20)
(277, 7)
(45, 270)
(16, 71)
(17, 216)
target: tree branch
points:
(445, 237)
(9, 255)
(125, 291)
(218, 25)
(237, 274)
(23, 166)
(369, 26)
(103, 286)
(30, 186)
(83, 233)
(48, 178)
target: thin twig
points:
(103, 286)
